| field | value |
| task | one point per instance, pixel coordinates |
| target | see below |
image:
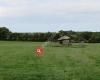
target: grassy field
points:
(18, 62)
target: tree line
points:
(90, 37)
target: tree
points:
(86, 36)
(4, 33)
(95, 37)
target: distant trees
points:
(4, 33)
(95, 37)
(91, 37)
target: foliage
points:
(91, 37)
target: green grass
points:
(19, 62)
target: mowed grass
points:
(19, 62)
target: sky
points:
(50, 15)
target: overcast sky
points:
(50, 15)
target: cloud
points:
(13, 8)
